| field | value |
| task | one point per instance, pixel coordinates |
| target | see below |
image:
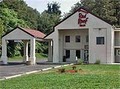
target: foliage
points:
(73, 67)
(92, 77)
(80, 61)
(49, 18)
(41, 47)
(106, 9)
(97, 62)
(61, 70)
(53, 8)
(17, 13)
(24, 12)
(1, 29)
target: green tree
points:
(1, 30)
(49, 18)
(16, 13)
(106, 9)
(53, 8)
(47, 21)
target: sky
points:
(41, 5)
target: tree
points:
(1, 29)
(16, 13)
(29, 15)
(49, 18)
(106, 9)
(47, 21)
(53, 8)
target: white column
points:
(32, 51)
(82, 54)
(25, 51)
(4, 51)
(56, 47)
(50, 51)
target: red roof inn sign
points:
(82, 20)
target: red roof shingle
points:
(34, 33)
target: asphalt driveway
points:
(20, 68)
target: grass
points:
(20, 58)
(91, 77)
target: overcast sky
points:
(41, 5)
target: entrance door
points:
(86, 56)
(78, 53)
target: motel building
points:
(86, 36)
(81, 35)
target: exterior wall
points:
(72, 45)
(104, 53)
(54, 37)
(17, 34)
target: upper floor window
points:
(77, 38)
(67, 38)
(99, 40)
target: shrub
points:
(73, 67)
(80, 61)
(61, 70)
(97, 62)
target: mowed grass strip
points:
(89, 77)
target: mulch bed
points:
(71, 71)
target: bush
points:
(97, 62)
(61, 70)
(73, 67)
(80, 61)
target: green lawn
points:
(90, 77)
(20, 58)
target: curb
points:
(31, 72)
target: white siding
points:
(17, 34)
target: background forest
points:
(17, 13)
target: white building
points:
(86, 36)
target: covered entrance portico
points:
(26, 36)
(73, 43)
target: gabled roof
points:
(74, 13)
(32, 32)
(85, 10)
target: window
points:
(67, 53)
(78, 53)
(87, 38)
(77, 38)
(67, 38)
(99, 40)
